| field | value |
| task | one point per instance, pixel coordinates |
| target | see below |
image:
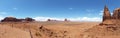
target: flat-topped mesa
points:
(106, 14)
(13, 19)
(28, 19)
(116, 14)
(9, 19)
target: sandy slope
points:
(49, 30)
(9, 32)
(58, 30)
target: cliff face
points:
(111, 19)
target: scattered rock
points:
(52, 33)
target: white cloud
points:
(101, 13)
(94, 19)
(1, 17)
(45, 18)
(111, 13)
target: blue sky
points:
(56, 9)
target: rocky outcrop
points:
(52, 33)
(110, 26)
(116, 14)
(13, 19)
(111, 19)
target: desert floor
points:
(45, 29)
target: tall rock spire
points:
(106, 13)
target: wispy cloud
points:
(71, 8)
(3, 13)
(15, 8)
(90, 10)
(94, 19)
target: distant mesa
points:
(29, 19)
(13, 19)
(111, 19)
(66, 20)
(51, 20)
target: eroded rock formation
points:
(110, 26)
(111, 19)
(106, 15)
(116, 13)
